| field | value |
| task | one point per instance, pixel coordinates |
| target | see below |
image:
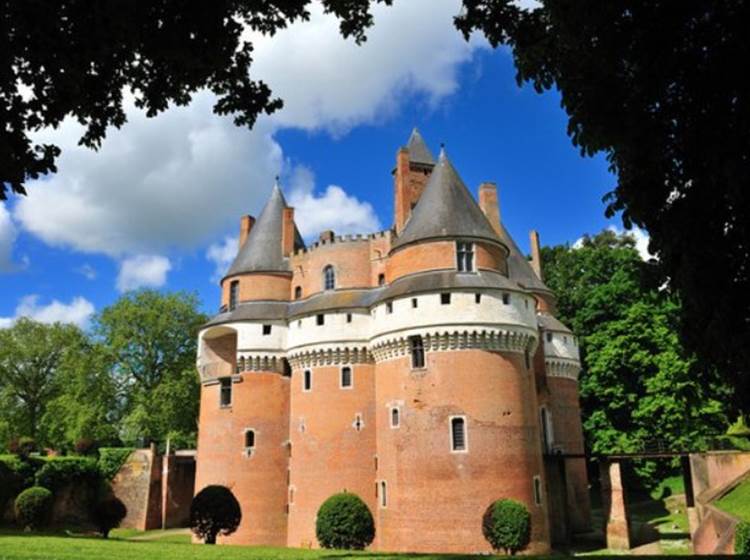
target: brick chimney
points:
(489, 204)
(536, 255)
(246, 224)
(287, 232)
(402, 195)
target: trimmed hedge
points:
(507, 526)
(58, 472)
(742, 538)
(33, 507)
(344, 522)
(111, 460)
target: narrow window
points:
(298, 292)
(320, 319)
(445, 298)
(549, 337)
(358, 423)
(527, 358)
(547, 436)
(506, 298)
(383, 494)
(291, 494)
(266, 330)
(346, 377)
(381, 279)
(348, 317)
(249, 441)
(389, 307)
(307, 380)
(526, 303)
(329, 278)
(458, 433)
(375, 458)
(417, 351)
(240, 365)
(477, 298)
(234, 292)
(464, 256)
(225, 393)
(395, 417)
(414, 303)
(299, 323)
(538, 490)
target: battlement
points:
(346, 238)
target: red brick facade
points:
(386, 425)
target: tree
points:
(109, 513)
(506, 525)
(78, 58)
(344, 521)
(637, 382)
(655, 86)
(151, 338)
(33, 357)
(214, 511)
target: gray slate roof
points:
(446, 209)
(550, 323)
(519, 269)
(418, 150)
(262, 252)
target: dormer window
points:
(329, 278)
(234, 292)
(464, 256)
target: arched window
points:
(395, 417)
(249, 440)
(329, 278)
(297, 292)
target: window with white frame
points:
(458, 434)
(347, 380)
(417, 351)
(464, 256)
(329, 278)
(307, 380)
(395, 417)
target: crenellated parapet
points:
(518, 340)
(330, 356)
(567, 369)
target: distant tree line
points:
(129, 381)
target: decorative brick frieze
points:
(568, 369)
(328, 356)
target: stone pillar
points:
(614, 506)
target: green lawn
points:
(737, 502)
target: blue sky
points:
(159, 205)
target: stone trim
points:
(493, 340)
(340, 355)
(562, 368)
(260, 362)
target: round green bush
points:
(345, 522)
(108, 514)
(214, 511)
(507, 526)
(742, 538)
(33, 507)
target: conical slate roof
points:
(262, 251)
(446, 209)
(519, 269)
(418, 150)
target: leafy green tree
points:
(655, 86)
(506, 525)
(344, 521)
(78, 57)
(151, 338)
(637, 382)
(33, 359)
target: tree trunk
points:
(210, 538)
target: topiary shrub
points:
(33, 507)
(742, 538)
(58, 472)
(344, 521)
(111, 460)
(108, 514)
(214, 511)
(507, 526)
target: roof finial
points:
(442, 151)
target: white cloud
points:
(221, 255)
(639, 236)
(87, 271)
(333, 209)
(7, 238)
(78, 311)
(143, 271)
(180, 180)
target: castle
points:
(420, 367)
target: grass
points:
(737, 502)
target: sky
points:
(158, 206)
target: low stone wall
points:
(715, 534)
(712, 471)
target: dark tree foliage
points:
(78, 58)
(658, 87)
(344, 521)
(214, 511)
(506, 525)
(108, 514)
